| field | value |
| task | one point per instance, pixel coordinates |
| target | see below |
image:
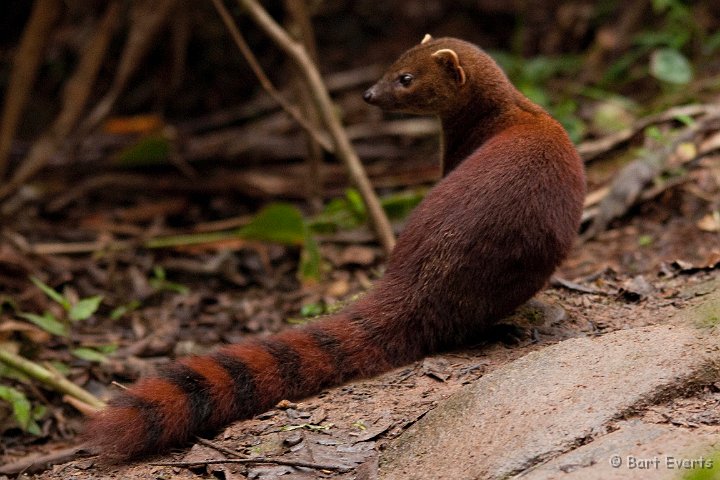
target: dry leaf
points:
(710, 222)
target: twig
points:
(76, 92)
(146, 20)
(592, 148)
(54, 248)
(415, 127)
(265, 82)
(556, 281)
(219, 448)
(263, 104)
(273, 461)
(54, 379)
(299, 19)
(39, 463)
(79, 405)
(627, 186)
(343, 147)
(25, 67)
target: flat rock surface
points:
(635, 450)
(554, 400)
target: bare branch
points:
(75, 94)
(53, 379)
(627, 188)
(147, 18)
(301, 27)
(265, 82)
(343, 147)
(25, 68)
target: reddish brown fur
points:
(220, 385)
(315, 363)
(264, 369)
(481, 243)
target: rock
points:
(553, 400)
(635, 450)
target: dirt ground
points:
(621, 282)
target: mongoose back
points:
(482, 242)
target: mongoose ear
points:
(450, 60)
(426, 38)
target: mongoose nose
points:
(368, 95)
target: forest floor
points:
(640, 273)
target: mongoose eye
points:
(405, 79)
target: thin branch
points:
(592, 148)
(265, 82)
(343, 148)
(54, 379)
(76, 92)
(300, 25)
(273, 461)
(146, 20)
(219, 448)
(38, 463)
(25, 67)
(627, 187)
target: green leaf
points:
(13, 374)
(152, 150)
(400, 205)
(33, 428)
(312, 309)
(279, 223)
(310, 261)
(84, 309)
(123, 310)
(50, 292)
(107, 349)
(669, 65)
(160, 283)
(61, 367)
(645, 240)
(47, 322)
(20, 405)
(165, 286)
(356, 203)
(38, 413)
(6, 300)
(89, 354)
(159, 272)
(655, 133)
(686, 120)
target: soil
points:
(346, 426)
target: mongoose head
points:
(437, 77)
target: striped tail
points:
(199, 395)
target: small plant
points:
(14, 367)
(74, 312)
(160, 283)
(645, 240)
(663, 47)
(24, 412)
